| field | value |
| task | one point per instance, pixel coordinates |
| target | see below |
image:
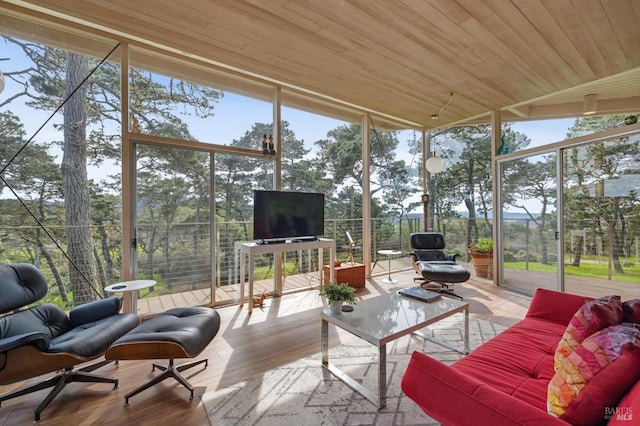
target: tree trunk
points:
(578, 253)
(472, 226)
(543, 239)
(196, 230)
(151, 249)
(47, 255)
(54, 270)
(615, 247)
(75, 184)
(106, 254)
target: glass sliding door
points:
(601, 215)
(529, 223)
(236, 176)
(598, 218)
(173, 227)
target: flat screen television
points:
(284, 215)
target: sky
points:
(239, 113)
(235, 114)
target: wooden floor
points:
(288, 328)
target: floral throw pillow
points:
(593, 316)
(596, 375)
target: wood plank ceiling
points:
(400, 59)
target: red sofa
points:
(504, 381)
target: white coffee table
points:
(367, 322)
(129, 290)
(389, 254)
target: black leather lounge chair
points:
(44, 339)
(434, 265)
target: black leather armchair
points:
(434, 264)
(44, 339)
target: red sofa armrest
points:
(451, 397)
(555, 306)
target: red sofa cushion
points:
(554, 306)
(454, 398)
(518, 362)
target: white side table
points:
(389, 253)
(248, 251)
(129, 290)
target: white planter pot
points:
(335, 308)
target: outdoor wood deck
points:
(519, 281)
(230, 294)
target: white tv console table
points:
(251, 249)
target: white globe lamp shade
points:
(434, 164)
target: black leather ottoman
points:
(444, 273)
(176, 333)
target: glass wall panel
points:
(176, 100)
(396, 205)
(537, 133)
(602, 217)
(308, 165)
(173, 227)
(394, 180)
(60, 132)
(236, 177)
(529, 214)
(460, 195)
(174, 107)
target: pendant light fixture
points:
(434, 164)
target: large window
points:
(580, 234)
(529, 223)
(188, 100)
(173, 226)
(60, 148)
(601, 217)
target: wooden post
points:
(425, 213)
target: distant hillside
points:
(508, 215)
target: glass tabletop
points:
(384, 318)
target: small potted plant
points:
(337, 294)
(482, 257)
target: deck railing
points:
(178, 255)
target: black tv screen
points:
(283, 215)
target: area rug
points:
(303, 393)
